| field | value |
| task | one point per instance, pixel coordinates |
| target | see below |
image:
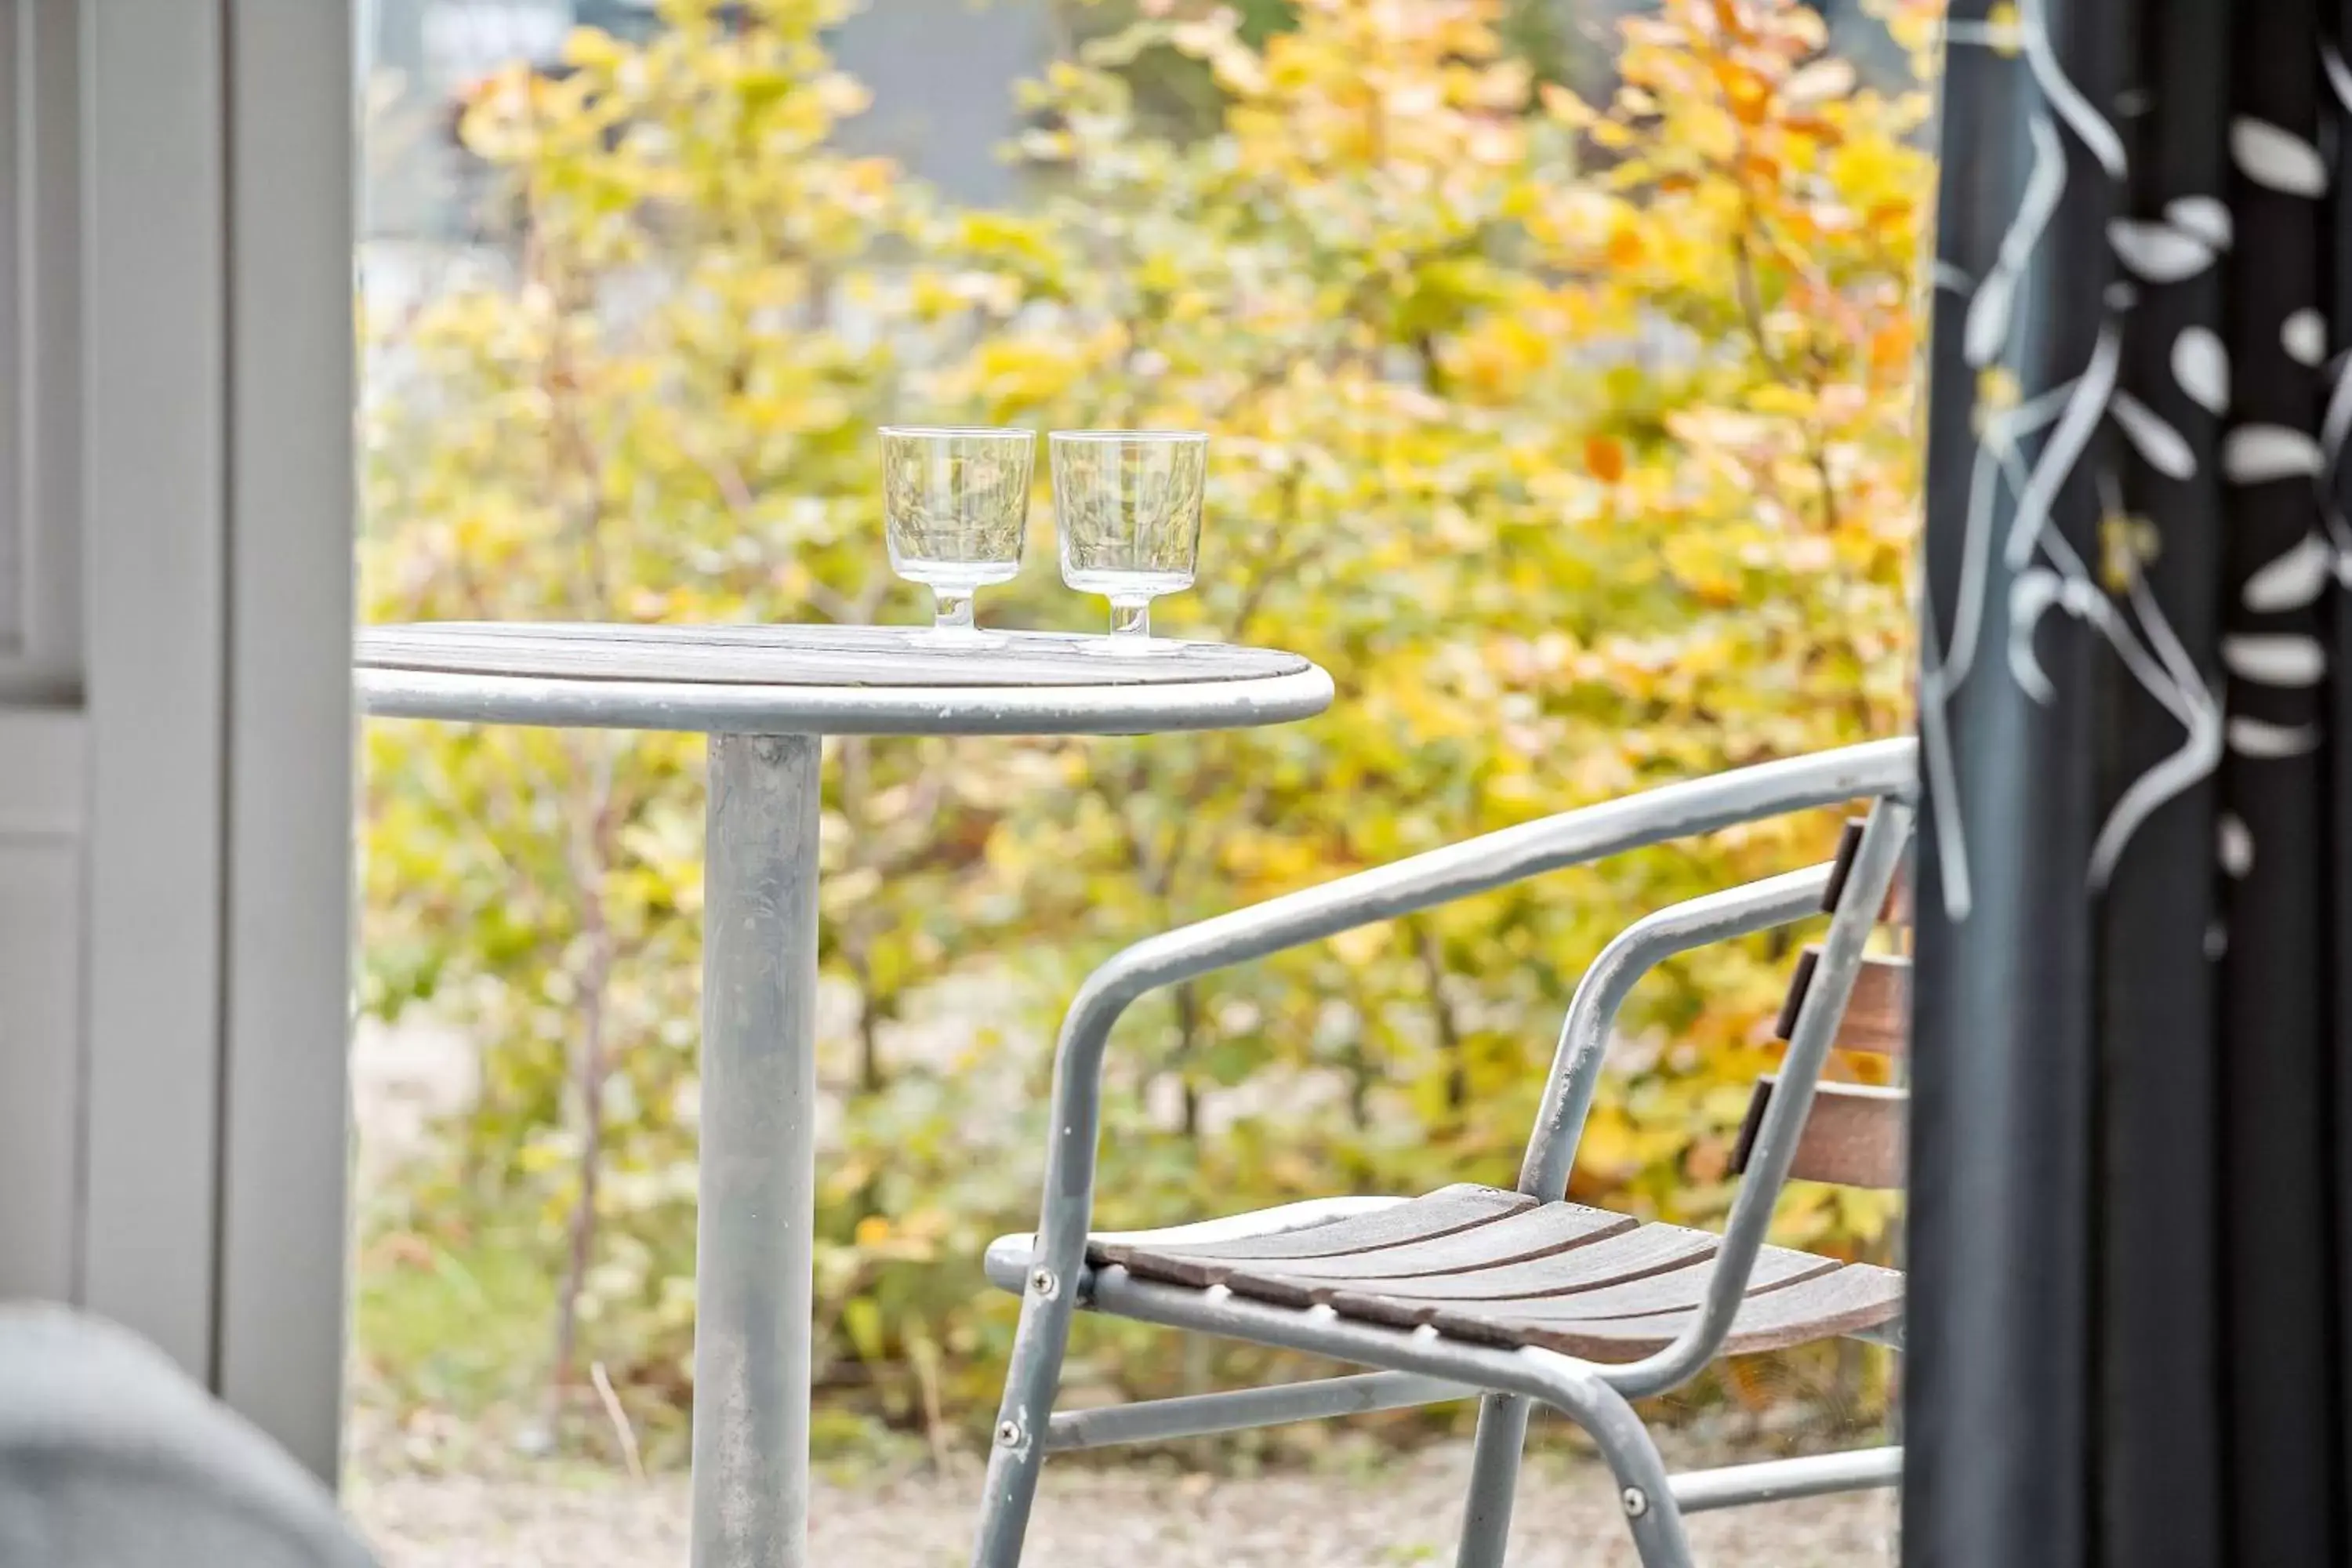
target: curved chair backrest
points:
(1853, 1134)
(1780, 1137)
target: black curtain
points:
(2132, 1218)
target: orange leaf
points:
(1892, 219)
(1748, 95)
(1890, 347)
(1604, 456)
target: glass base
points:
(1125, 645)
(1131, 630)
(959, 637)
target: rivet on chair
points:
(1636, 1500)
(1008, 1434)
(1044, 1284)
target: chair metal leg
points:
(1005, 1506)
(1022, 1420)
(1643, 1490)
(1494, 1481)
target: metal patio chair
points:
(1512, 1296)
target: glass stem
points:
(953, 613)
(1130, 617)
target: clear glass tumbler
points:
(1128, 506)
(956, 509)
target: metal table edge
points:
(1215, 704)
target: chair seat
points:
(1502, 1269)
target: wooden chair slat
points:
(1854, 1135)
(1612, 1298)
(1678, 1292)
(1877, 1019)
(1842, 1301)
(1539, 1234)
(1632, 1255)
(1442, 1213)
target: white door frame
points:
(176, 466)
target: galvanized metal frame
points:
(1778, 1480)
(1568, 1099)
(1193, 1416)
(754, 1229)
(777, 709)
(1056, 1279)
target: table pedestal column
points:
(752, 1233)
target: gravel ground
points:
(1136, 1518)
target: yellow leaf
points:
(1361, 945)
(2004, 29)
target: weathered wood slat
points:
(1877, 1019)
(1669, 1292)
(1842, 1301)
(1677, 1291)
(1630, 1255)
(1543, 1234)
(800, 656)
(1598, 1285)
(1442, 1213)
(1853, 1136)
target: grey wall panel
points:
(44, 740)
(48, 172)
(41, 817)
(15, 522)
(291, 491)
(43, 737)
(43, 773)
(41, 345)
(943, 75)
(40, 999)
(155, 554)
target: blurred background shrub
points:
(1576, 438)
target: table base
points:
(756, 1215)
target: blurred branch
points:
(591, 853)
(1440, 1013)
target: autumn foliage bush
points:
(1577, 440)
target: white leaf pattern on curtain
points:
(2046, 572)
(2132, 1130)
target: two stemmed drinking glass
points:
(1128, 502)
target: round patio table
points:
(765, 695)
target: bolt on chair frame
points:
(1421, 1365)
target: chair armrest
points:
(1884, 769)
(1881, 768)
